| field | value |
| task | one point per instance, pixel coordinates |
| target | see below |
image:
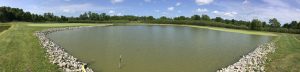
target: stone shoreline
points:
(57, 55)
(254, 61)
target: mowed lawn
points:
(20, 50)
(287, 56)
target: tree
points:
(150, 18)
(163, 18)
(84, 16)
(219, 19)
(286, 25)
(293, 25)
(205, 17)
(298, 25)
(264, 24)
(180, 18)
(196, 17)
(255, 24)
(274, 23)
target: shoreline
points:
(254, 61)
(57, 55)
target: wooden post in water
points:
(120, 61)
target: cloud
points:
(171, 8)
(203, 2)
(74, 7)
(111, 12)
(215, 12)
(67, 0)
(178, 4)
(201, 10)
(116, 1)
(230, 14)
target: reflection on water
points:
(156, 48)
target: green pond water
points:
(156, 48)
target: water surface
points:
(156, 48)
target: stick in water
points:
(120, 62)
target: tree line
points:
(8, 14)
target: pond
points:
(155, 48)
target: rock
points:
(254, 61)
(57, 54)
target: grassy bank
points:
(20, 50)
(287, 56)
(222, 29)
(4, 27)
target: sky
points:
(283, 10)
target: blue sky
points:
(284, 10)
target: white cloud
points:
(171, 8)
(178, 4)
(73, 8)
(147, 0)
(111, 12)
(216, 12)
(203, 2)
(116, 1)
(201, 10)
(230, 14)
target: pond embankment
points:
(57, 55)
(254, 61)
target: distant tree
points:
(163, 18)
(150, 18)
(196, 17)
(293, 25)
(274, 23)
(286, 25)
(256, 24)
(63, 18)
(227, 21)
(264, 24)
(84, 16)
(205, 17)
(298, 25)
(180, 18)
(219, 19)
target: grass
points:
(20, 50)
(236, 30)
(223, 29)
(59, 24)
(287, 56)
(2, 28)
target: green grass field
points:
(287, 56)
(20, 50)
